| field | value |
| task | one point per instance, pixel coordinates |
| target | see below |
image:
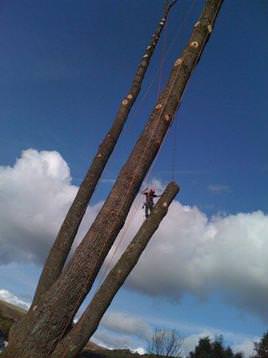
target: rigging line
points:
(136, 204)
(174, 150)
(181, 27)
(179, 31)
(175, 126)
(174, 119)
(160, 69)
(140, 159)
(161, 60)
(185, 17)
(126, 228)
(129, 220)
(118, 243)
(152, 165)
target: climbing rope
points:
(163, 57)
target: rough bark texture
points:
(62, 245)
(37, 335)
(78, 337)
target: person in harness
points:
(149, 201)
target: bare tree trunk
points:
(62, 245)
(37, 335)
(78, 337)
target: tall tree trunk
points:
(79, 335)
(37, 335)
(62, 245)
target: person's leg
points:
(150, 207)
(146, 211)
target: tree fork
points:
(37, 335)
(63, 243)
(79, 335)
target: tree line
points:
(47, 329)
(168, 343)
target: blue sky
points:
(65, 66)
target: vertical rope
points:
(174, 149)
(133, 213)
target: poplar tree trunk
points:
(79, 335)
(63, 243)
(37, 335)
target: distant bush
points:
(208, 349)
(5, 325)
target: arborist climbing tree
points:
(149, 200)
(79, 335)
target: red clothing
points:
(149, 201)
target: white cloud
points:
(246, 346)
(35, 194)
(7, 296)
(139, 350)
(190, 253)
(121, 329)
(124, 331)
(128, 325)
(109, 340)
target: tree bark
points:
(37, 335)
(62, 245)
(79, 335)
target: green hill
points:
(10, 314)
